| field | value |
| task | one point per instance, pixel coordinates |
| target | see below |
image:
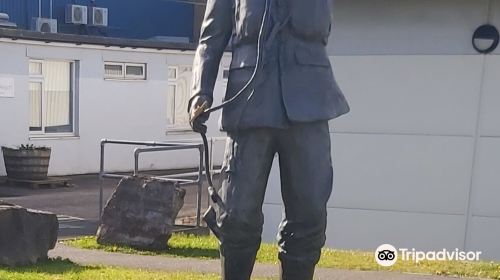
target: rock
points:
(25, 235)
(141, 213)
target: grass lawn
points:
(58, 269)
(206, 247)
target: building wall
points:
(416, 162)
(199, 14)
(127, 18)
(129, 110)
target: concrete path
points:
(161, 263)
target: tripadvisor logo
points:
(387, 255)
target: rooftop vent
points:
(5, 23)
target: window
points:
(225, 74)
(51, 97)
(124, 71)
(225, 78)
(179, 84)
(113, 70)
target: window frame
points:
(135, 77)
(42, 105)
(113, 77)
(40, 79)
(124, 76)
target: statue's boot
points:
(237, 264)
(237, 254)
(296, 270)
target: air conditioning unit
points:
(99, 16)
(76, 14)
(47, 25)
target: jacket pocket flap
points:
(245, 56)
(312, 56)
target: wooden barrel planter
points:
(27, 164)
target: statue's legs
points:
(248, 159)
(306, 184)
(306, 175)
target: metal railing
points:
(183, 179)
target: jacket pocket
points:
(244, 56)
(238, 78)
(310, 18)
(312, 56)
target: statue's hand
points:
(197, 117)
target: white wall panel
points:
(273, 191)
(396, 172)
(366, 230)
(486, 188)
(490, 107)
(494, 17)
(409, 94)
(406, 27)
(358, 229)
(484, 233)
(401, 172)
(272, 218)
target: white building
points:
(92, 92)
(417, 161)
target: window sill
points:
(53, 137)
(125, 80)
(177, 131)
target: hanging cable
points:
(203, 109)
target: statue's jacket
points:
(295, 81)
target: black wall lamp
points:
(485, 39)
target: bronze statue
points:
(281, 69)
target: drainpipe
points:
(39, 8)
(51, 9)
